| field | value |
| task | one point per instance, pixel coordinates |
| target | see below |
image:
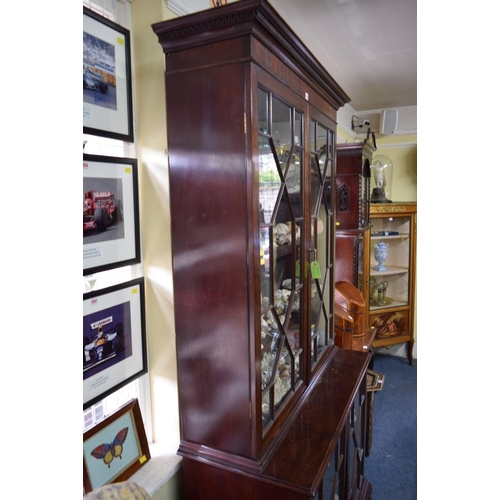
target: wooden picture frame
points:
(114, 339)
(107, 78)
(111, 228)
(115, 448)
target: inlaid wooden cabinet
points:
(388, 273)
(267, 401)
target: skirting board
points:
(399, 350)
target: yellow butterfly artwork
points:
(109, 451)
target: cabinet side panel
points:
(345, 258)
(208, 179)
(348, 192)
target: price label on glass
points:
(315, 270)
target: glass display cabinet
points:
(387, 276)
(266, 399)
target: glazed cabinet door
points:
(320, 253)
(296, 234)
(281, 230)
(391, 266)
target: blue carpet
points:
(391, 467)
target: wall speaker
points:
(388, 121)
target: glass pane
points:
(298, 364)
(287, 279)
(265, 271)
(320, 291)
(270, 336)
(327, 176)
(269, 180)
(330, 171)
(331, 145)
(282, 130)
(298, 274)
(283, 380)
(316, 188)
(389, 263)
(297, 140)
(325, 259)
(323, 248)
(293, 339)
(281, 304)
(321, 252)
(280, 195)
(317, 320)
(293, 182)
(321, 139)
(312, 137)
(263, 105)
(266, 409)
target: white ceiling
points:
(368, 46)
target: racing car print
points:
(94, 81)
(104, 346)
(99, 210)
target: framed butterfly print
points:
(115, 448)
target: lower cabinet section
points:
(321, 455)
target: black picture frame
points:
(115, 448)
(107, 78)
(114, 339)
(111, 227)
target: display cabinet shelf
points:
(390, 270)
(389, 304)
(401, 237)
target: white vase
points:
(381, 250)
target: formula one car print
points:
(104, 346)
(94, 81)
(99, 210)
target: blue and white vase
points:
(381, 250)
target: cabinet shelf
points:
(401, 237)
(390, 270)
(392, 305)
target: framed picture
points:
(107, 78)
(115, 448)
(114, 339)
(111, 231)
